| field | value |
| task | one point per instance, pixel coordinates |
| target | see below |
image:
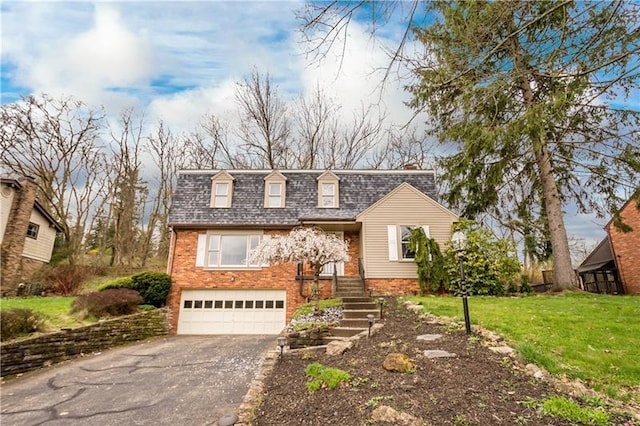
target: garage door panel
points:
(232, 312)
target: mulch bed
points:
(478, 387)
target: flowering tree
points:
(308, 245)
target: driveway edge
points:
(253, 398)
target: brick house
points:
(614, 265)
(218, 216)
(27, 232)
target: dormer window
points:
(274, 198)
(328, 195)
(275, 188)
(328, 190)
(221, 196)
(221, 190)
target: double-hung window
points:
(221, 195)
(405, 237)
(32, 230)
(274, 196)
(230, 250)
(329, 195)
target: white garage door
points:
(232, 312)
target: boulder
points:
(398, 362)
(338, 347)
(386, 414)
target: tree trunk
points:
(563, 275)
(315, 294)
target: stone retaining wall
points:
(29, 354)
(303, 339)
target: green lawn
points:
(56, 309)
(594, 338)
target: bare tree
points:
(164, 150)
(404, 147)
(210, 146)
(317, 125)
(355, 140)
(128, 190)
(264, 125)
(57, 142)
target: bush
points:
(64, 279)
(321, 377)
(17, 322)
(153, 287)
(113, 302)
(124, 282)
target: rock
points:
(535, 371)
(228, 420)
(386, 414)
(398, 362)
(504, 350)
(429, 337)
(338, 347)
(437, 353)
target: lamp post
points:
(381, 303)
(459, 241)
(281, 342)
(371, 319)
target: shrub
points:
(17, 322)
(64, 279)
(153, 287)
(113, 302)
(124, 282)
(322, 376)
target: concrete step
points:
(348, 278)
(348, 294)
(359, 305)
(346, 331)
(356, 299)
(354, 323)
(360, 313)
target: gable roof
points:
(16, 183)
(359, 189)
(599, 257)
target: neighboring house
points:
(27, 232)
(614, 265)
(219, 216)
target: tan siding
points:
(41, 247)
(405, 206)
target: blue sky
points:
(179, 60)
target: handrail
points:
(335, 279)
(361, 269)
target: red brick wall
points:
(393, 286)
(626, 248)
(185, 275)
(351, 267)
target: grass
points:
(589, 337)
(55, 309)
(569, 410)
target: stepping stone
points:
(429, 337)
(504, 350)
(437, 353)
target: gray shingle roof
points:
(359, 189)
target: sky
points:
(179, 60)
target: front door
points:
(328, 268)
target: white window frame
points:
(402, 242)
(328, 196)
(272, 196)
(211, 250)
(221, 199)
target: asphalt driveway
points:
(175, 380)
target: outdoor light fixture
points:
(281, 342)
(459, 242)
(371, 319)
(381, 303)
